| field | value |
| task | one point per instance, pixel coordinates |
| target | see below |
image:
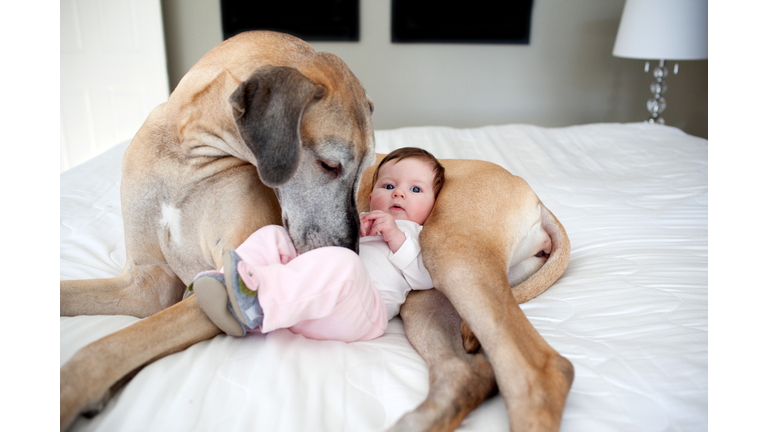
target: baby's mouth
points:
(397, 207)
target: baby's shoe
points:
(245, 302)
(211, 293)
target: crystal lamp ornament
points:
(657, 104)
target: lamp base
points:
(657, 104)
(657, 120)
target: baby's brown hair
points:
(415, 153)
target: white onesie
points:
(395, 274)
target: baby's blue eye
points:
(389, 186)
(415, 189)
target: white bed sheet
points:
(630, 311)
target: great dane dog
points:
(264, 130)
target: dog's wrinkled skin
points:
(190, 191)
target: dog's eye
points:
(542, 254)
(331, 169)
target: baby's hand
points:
(377, 222)
(365, 225)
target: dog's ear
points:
(268, 108)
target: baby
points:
(331, 293)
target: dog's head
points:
(312, 139)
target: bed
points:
(630, 312)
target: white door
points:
(113, 73)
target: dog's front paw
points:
(80, 390)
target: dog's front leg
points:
(88, 377)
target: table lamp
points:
(662, 30)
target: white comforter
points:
(630, 311)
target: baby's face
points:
(404, 190)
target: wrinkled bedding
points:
(630, 312)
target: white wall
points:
(112, 72)
(566, 75)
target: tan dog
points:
(191, 191)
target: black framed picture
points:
(477, 21)
(311, 20)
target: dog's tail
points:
(555, 265)
(537, 283)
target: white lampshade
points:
(663, 29)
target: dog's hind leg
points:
(458, 381)
(87, 379)
(532, 377)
